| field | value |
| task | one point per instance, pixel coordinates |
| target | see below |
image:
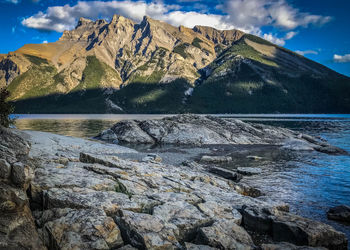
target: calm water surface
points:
(310, 182)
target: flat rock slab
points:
(110, 201)
(52, 144)
(249, 170)
(225, 173)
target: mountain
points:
(153, 67)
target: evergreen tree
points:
(5, 108)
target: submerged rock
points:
(152, 157)
(339, 213)
(215, 159)
(249, 170)
(288, 246)
(225, 173)
(209, 130)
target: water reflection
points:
(76, 128)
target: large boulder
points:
(185, 216)
(301, 231)
(287, 227)
(224, 234)
(79, 229)
(13, 148)
(209, 130)
(145, 231)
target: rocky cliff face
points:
(200, 69)
(17, 227)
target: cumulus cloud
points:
(247, 15)
(278, 13)
(306, 52)
(274, 39)
(341, 59)
(279, 41)
(60, 18)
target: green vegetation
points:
(120, 188)
(197, 43)
(180, 49)
(36, 60)
(155, 77)
(92, 74)
(243, 49)
(39, 80)
(5, 108)
(139, 97)
(283, 82)
(79, 102)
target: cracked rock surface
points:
(94, 199)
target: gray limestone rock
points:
(225, 234)
(79, 229)
(209, 130)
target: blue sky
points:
(318, 29)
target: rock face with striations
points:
(210, 130)
(17, 227)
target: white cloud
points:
(290, 35)
(279, 41)
(247, 15)
(60, 18)
(306, 52)
(341, 59)
(274, 39)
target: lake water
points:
(310, 182)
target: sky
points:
(317, 29)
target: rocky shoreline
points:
(200, 130)
(60, 192)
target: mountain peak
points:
(118, 18)
(83, 21)
(228, 70)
